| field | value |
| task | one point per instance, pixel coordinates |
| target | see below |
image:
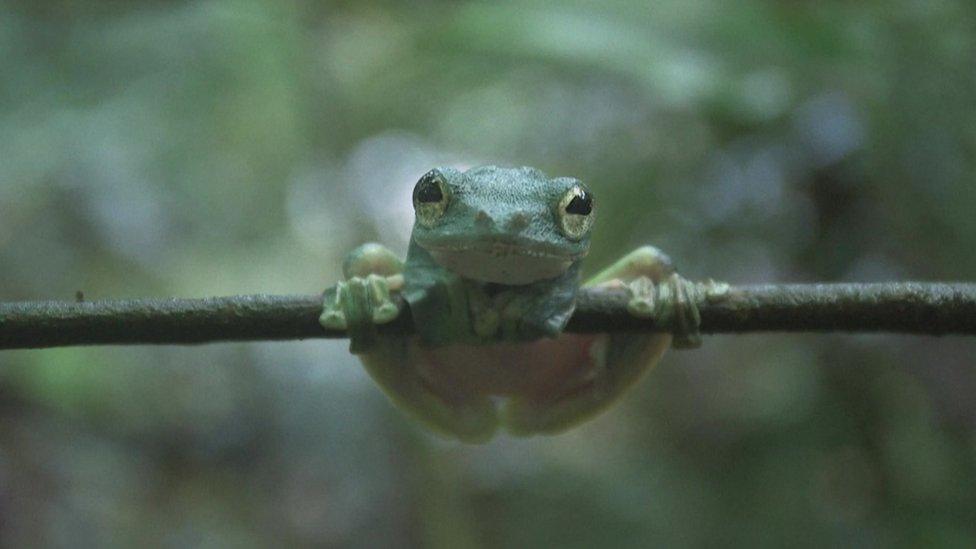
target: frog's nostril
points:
(518, 221)
(483, 219)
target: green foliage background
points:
(242, 146)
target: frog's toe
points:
(381, 306)
(333, 320)
(385, 312)
(643, 308)
(687, 318)
(333, 317)
(642, 294)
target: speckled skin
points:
(489, 206)
(491, 277)
(491, 203)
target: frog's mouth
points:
(502, 262)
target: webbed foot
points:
(677, 308)
(358, 305)
(361, 301)
(375, 289)
(656, 291)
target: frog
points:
(491, 278)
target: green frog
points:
(491, 278)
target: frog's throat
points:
(502, 263)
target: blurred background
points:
(240, 146)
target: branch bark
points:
(905, 307)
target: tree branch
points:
(916, 308)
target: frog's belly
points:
(507, 369)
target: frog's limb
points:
(371, 258)
(656, 291)
(541, 311)
(616, 361)
(363, 300)
(396, 364)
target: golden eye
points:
(431, 196)
(575, 212)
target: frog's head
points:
(507, 226)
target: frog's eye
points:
(431, 196)
(575, 212)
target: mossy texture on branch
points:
(904, 307)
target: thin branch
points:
(916, 308)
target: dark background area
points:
(230, 146)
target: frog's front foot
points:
(358, 305)
(333, 317)
(671, 302)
